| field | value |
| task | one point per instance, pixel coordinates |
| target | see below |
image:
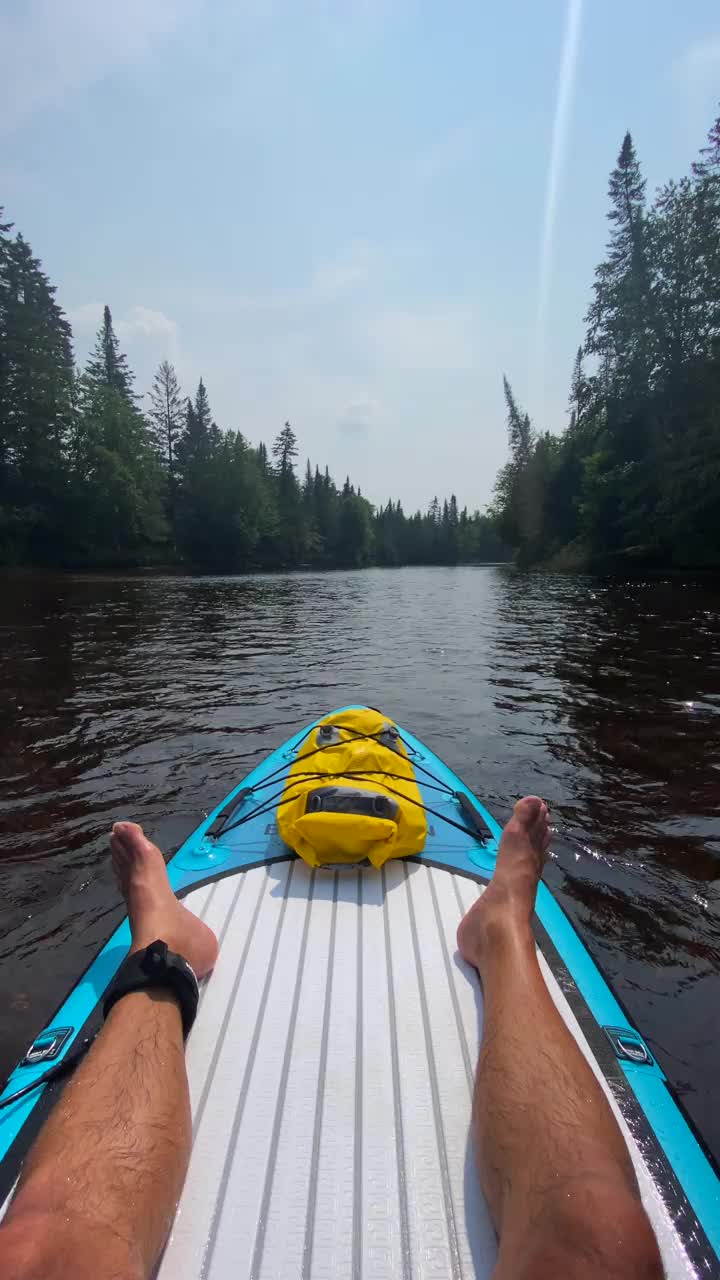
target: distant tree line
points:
(636, 472)
(88, 477)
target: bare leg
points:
(553, 1164)
(99, 1188)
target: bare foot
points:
(508, 903)
(153, 909)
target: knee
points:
(47, 1246)
(597, 1231)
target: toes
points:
(532, 813)
(529, 810)
(129, 836)
(118, 847)
(121, 833)
(541, 833)
(128, 830)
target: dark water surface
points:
(148, 698)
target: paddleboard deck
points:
(331, 1064)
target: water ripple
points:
(148, 698)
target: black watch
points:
(153, 968)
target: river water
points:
(147, 698)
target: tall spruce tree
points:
(6, 438)
(194, 446)
(706, 196)
(579, 400)
(619, 324)
(108, 365)
(516, 490)
(195, 453)
(166, 415)
(291, 533)
(202, 409)
(285, 451)
(116, 513)
(36, 393)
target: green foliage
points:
(36, 402)
(87, 479)
(285, 452)
(637, 471)
(353, 547)
(618, 318)
(108, 366)
(166, 416)
(114, 508)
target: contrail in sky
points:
(563, 107)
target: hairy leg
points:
(553, 1164)
(100, 1186)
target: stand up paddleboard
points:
(331, 1064)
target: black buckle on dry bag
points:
(371, 804)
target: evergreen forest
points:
(635, 474)
(94, 474)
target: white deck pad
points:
(331, 1072)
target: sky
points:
(352, 214)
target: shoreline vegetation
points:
(634, 479)
(95, 477)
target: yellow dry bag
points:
(351, 793)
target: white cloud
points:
(85, 319)
(144, 320)
(148, 335)
(52, 48)
(702, 55)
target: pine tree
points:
(520, 433)
(326, 514)
(6, 440)
(709, 165)
(108, 365)
(195, 450)
(681, 307)
(290, 544)
(580, 392)
(195, 444)
(308, 486)
(619, 315)
(354, 533)
(36, 394)
(285, 451)
(167, 415)
(202, 409)
(706, 201)
(115, 506)
(518, 500)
